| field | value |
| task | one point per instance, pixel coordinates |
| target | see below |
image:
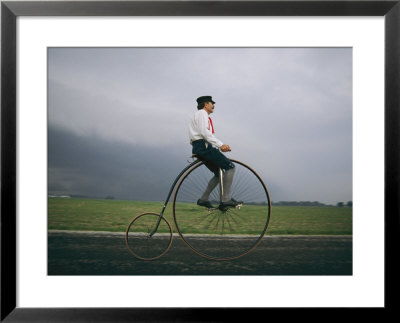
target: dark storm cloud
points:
(89, 166)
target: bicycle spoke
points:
(235, 217)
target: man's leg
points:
(210, 187)
(214, 160)
(221, 161)
(203, 151)
(227, 184)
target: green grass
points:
(250, 219)
(114, 216)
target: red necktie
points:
(211, 125)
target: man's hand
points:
(225, 148)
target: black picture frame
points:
(10, 10)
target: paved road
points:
(77, 253)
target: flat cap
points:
(206, 98)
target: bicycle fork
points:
(158, 222)
(161, 213)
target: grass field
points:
(114, 216)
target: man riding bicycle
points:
(209, 149)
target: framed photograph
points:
(94, 96)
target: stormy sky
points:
(118, 118)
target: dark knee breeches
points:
(212, 157)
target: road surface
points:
(89, 253)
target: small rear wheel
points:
(138, 239)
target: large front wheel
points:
(221, 233)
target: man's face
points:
(209, 107)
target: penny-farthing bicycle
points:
(218, 233)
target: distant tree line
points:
(342, 204)
(309, 203)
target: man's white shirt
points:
(200, 128)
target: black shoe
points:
(207, 204)
(238, 202)
(231, 203)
